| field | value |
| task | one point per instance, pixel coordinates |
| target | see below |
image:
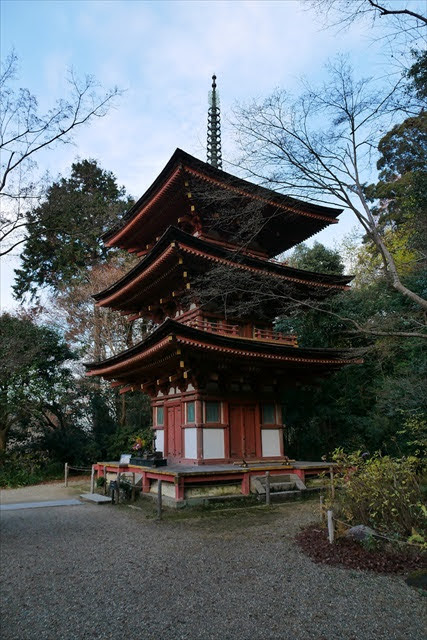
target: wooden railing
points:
(268, 335)
(237, 331)
(224, 328)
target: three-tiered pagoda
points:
(215, 382)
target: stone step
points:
(95, 498)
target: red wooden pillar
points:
(145, 483)
(198, 418)
(226, 422)
(246, 484)
(282, 441)
(258, 438)
(300, 473)
(179, 488)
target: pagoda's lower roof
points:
(174, 348)
(146, 281)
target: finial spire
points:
(214, 153)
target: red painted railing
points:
(224, 328)
(275, 336)
(235, 330)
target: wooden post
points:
(118, 486)
(267, 487)
(133, 488)
(331, 532)
(66, 474)
(104, 471)
(159, 500)
(92, 479)
(331, 475)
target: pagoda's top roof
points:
(179, 190)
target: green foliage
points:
(417, 74)
(64, 232)
(19, 469)
(413, 436)
(32, 374)
(401, 190)
(402, 186)
(316, 258)
(360, 406)
(123, 440)
(381, 492)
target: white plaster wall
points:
(190, 443)
(168, 488)
(160, 440)
(270, 439)
(213, 443)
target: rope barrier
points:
(380, 535)
(324, 510)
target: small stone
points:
(360, 532)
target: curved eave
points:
(165, 254)
(182, 162)
(167, 337)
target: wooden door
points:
(249, 448)
(174, 430)
(236, 431)
(242, 431)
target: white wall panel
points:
(270, 442)
(190, 443)
(160, 440)
(213, 443)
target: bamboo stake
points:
(66, 474)
(159, 500)
(92, 479)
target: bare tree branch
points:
(24, 133)
(317, 143)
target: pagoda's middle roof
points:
(181, 190)
(128, 292)
(173, 344)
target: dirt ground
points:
(46, 491)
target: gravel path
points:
(91, 572)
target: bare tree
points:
(24, 132)
(323, 146)
(403, 20)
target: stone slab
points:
(95, 497)
(36, 505)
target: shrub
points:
(18, 469)
(381, 492)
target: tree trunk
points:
(3, 438)
(97, 350)
(123, 411)
(392, 274)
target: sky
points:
(163, 54)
